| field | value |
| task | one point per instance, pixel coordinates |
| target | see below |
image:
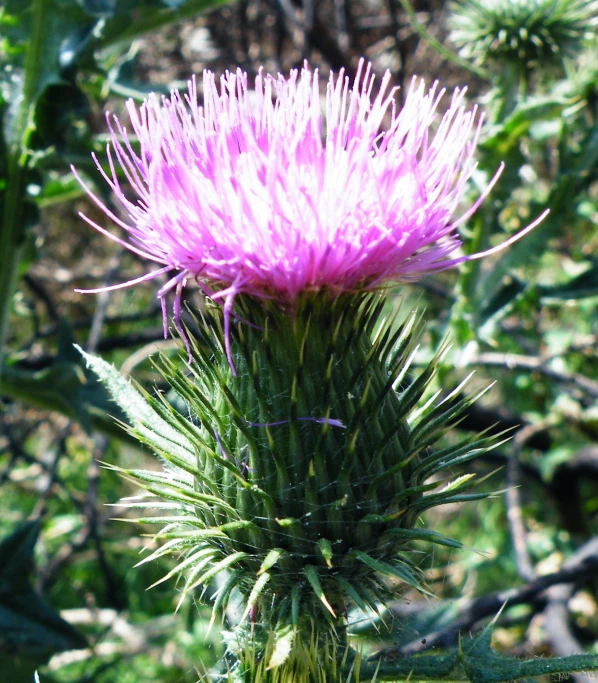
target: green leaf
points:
(42, 28)
(70, 30)
(63, 189)
(31, 31)
(29, 627)
(579, 287)
(45, 43)
(497, 304)
(131, 19)
(505, 136)
(65, 386)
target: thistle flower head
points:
(298, 481)
(274, 193)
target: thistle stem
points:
(13, 216)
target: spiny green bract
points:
(283, 658)
(298, 479)
(530, 33)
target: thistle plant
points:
(296, 474)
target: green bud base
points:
(297, 479)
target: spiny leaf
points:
(132, 402)
(295, 603)
(446, 456)
(216, 569)
(191, 582)
(411, 492)
(425, 535)
(445, 499)
(173, 519)
(433, 424)
(150, 504)
(172, 546)
(223, 593)
(178, 487)
(362, 602)
(185, 495)
(326, 550)
(418, 668)
(311, 573)
(188, 562)
(175, 531)
(258, 587)
(270, 560)
(284, 638)
(390, 570)
(459, 482)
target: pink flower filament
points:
(247, 194)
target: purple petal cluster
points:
(276, 191)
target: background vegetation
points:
(71, 603)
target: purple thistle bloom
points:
(243, 195)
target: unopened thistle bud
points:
(531, 34)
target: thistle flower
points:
(297, 481)
(243, 195)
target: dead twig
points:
(581, 566)
(514, 361)
(556, 624)
(517, 530)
